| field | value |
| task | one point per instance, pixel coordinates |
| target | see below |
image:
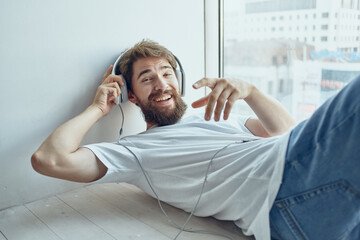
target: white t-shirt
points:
(243, 180)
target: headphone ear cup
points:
(180, 79)
(180, 76)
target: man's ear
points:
(132, 98)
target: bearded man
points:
(257, 170)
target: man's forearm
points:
(272, 115)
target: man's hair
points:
(143, 49)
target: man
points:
(256, 166)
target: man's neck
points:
(149, 125)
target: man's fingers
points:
(225, 92)
(114, 78)
(220, 103)
(205, 82)
(200, 102)
(109, 78)
(229, 104)
(211, 99)
(113, 87)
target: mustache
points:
(161, 92)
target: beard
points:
(163, 117)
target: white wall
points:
(52, 56)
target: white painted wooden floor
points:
(101, 212)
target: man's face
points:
(156, 91)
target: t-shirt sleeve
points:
(239, 121)
(119, 161)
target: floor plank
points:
(19, 223)
(227, 227)
(104, 211)
(2, 236)
(65, 221)
(110, 218)
(147, 213)
(143, 207)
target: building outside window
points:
(324, 39)
(285, 64)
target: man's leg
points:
(320, 194)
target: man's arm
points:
(60, 156)
(272, 120)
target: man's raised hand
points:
(108, 91)
(224, 93)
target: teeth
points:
(163, 98)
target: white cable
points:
(122, 121)
(194, 209)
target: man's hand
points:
(223, 90)
(108, 91)
(273, 119)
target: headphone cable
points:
(194, 209)
(122, 120)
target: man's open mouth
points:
(162, 98)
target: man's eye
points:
(146, 79)
(167, 74)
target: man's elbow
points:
(41, 163)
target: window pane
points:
(299, 51)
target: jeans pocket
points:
(328, 212)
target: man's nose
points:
(160, 83)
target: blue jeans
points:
(319, 197)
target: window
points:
(281, 85)
(324, 27)
(270, 87)
(285, 60)
(274, 61)
(298, 67)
